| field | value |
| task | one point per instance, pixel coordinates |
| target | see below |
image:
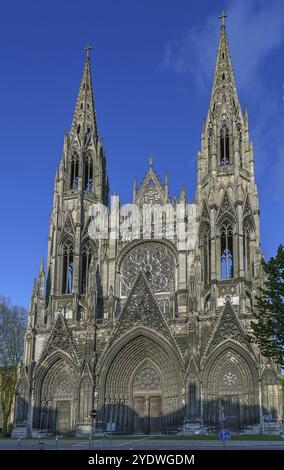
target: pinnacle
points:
(84, 118)
(224, 88)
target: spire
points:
(134, 188)
(84, 117)
(166, 184)
(224, 90)
(34, 293)
(182, 197)
(41, 269)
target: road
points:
(143, 443)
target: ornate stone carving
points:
(151, 194)
(68, 228)
(228, 327)
(141, 309)
(230, 378)
(65, 308)
(147, 379)
(227, 291)
(247, 212)
(64, 387)
(60, 338)
(225, 207)
(156, 261)
(205, 213)
(192, 377)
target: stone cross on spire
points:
(88, 48)
(222, 17)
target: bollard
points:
(90, 442)
(19, 443)
(56, 443)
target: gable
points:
(228, 327)
(226, 207)
(141, 309)
(60, 338)
(151, 190)
(68, 226)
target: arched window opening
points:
(206, 256)
(86, 261)
(81, 107)
(270, 396)
(68, 264)
(78, 129)
(241, 148)
(88, 174)
(246, 248)
(207, 303)
(227, 267)
(193, 400)
(223, 76)
(74, 174)
(224, 146)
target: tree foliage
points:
(268, 324)
(13, 320)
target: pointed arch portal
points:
(56, 395)
(231, 389)
(140, 389)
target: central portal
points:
(148, 414)
(147, 401)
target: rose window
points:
(230, 379)
(156, 261)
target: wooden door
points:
(139, 415)
(155, 414)
(63, 416)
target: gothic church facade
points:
(151, 335)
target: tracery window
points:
(74, 173)
(156, 261)
(227, 265)
(246, 248)
(88, 173)
(68, 264)
(240, 147)
(206, 256)
(86, 261)
(224, 146)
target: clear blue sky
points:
(152, 63)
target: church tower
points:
(69, 292)
(151, 332)
(227, 198)
(235, 381)
(80, 181)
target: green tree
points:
(268, 324)
(13, 322)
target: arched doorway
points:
(231, 393)
(147, 396)
(140, 384)
(56, 395)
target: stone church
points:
(149, 333)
